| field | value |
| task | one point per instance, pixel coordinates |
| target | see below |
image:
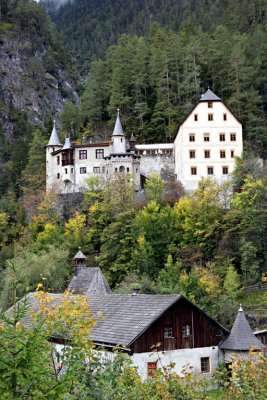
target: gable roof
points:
(209, 96)
(241, 336)
(124, 317)
(89, 281)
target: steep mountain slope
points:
(33, 61)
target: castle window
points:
(192, 154)
(206, 137)
(66, 171)
(193, 170)
(209, 104)
(225, 117)
(122, 168)
(232, 153)
(206, 153)
(128, 169)
(210, 117)
(58, 160)
(168, 333)
(195, 117)
(191, 137)
(116, 169)
(222, 137)
(205, 364)
(58, 175)
(82, 154)
(233, 137)
(83, 170)
(222, 153)
(71, 170)
(210, 170)
(225, 170)
(151, 369)
(99, 153)
(96, 170)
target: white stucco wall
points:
(214, 128)
(181, 358)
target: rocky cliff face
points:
(31, 80)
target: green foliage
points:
(50, 266)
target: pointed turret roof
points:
(79, 255)
(241, 336)
(54, 139)
(132, 139)
(67, 144)
(209, 96)
(118, 131)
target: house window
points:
(205, 364)
(99, 153)
(191, 137)
(196, 117)
(225, 170)
(186, 330)
(58, 175)
(96, 170)
(83, 154)
(193, 170)
(210, 117)
(83, 170)
(210, 170)
(206, 153)
(206, 137)
(222, 153)
(192, 154)
(168, 332)
(222, 137)
(233, 137)
(232, 153)
(58, 160)
(151, 369)
(225, 117)
(66, 171)
(209, 104)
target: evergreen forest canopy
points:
(195, 245)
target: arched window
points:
(128, 169)
(116, 169)
(122, 168)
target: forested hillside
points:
(163, 55)
(33, 83)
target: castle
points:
(205, 146)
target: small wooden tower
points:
(132, 143)
(79, 262)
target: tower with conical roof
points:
(120, 161)
(53, 160)
(118, 137)
(241, 339)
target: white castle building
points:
(205, 146)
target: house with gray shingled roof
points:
(149, 327)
